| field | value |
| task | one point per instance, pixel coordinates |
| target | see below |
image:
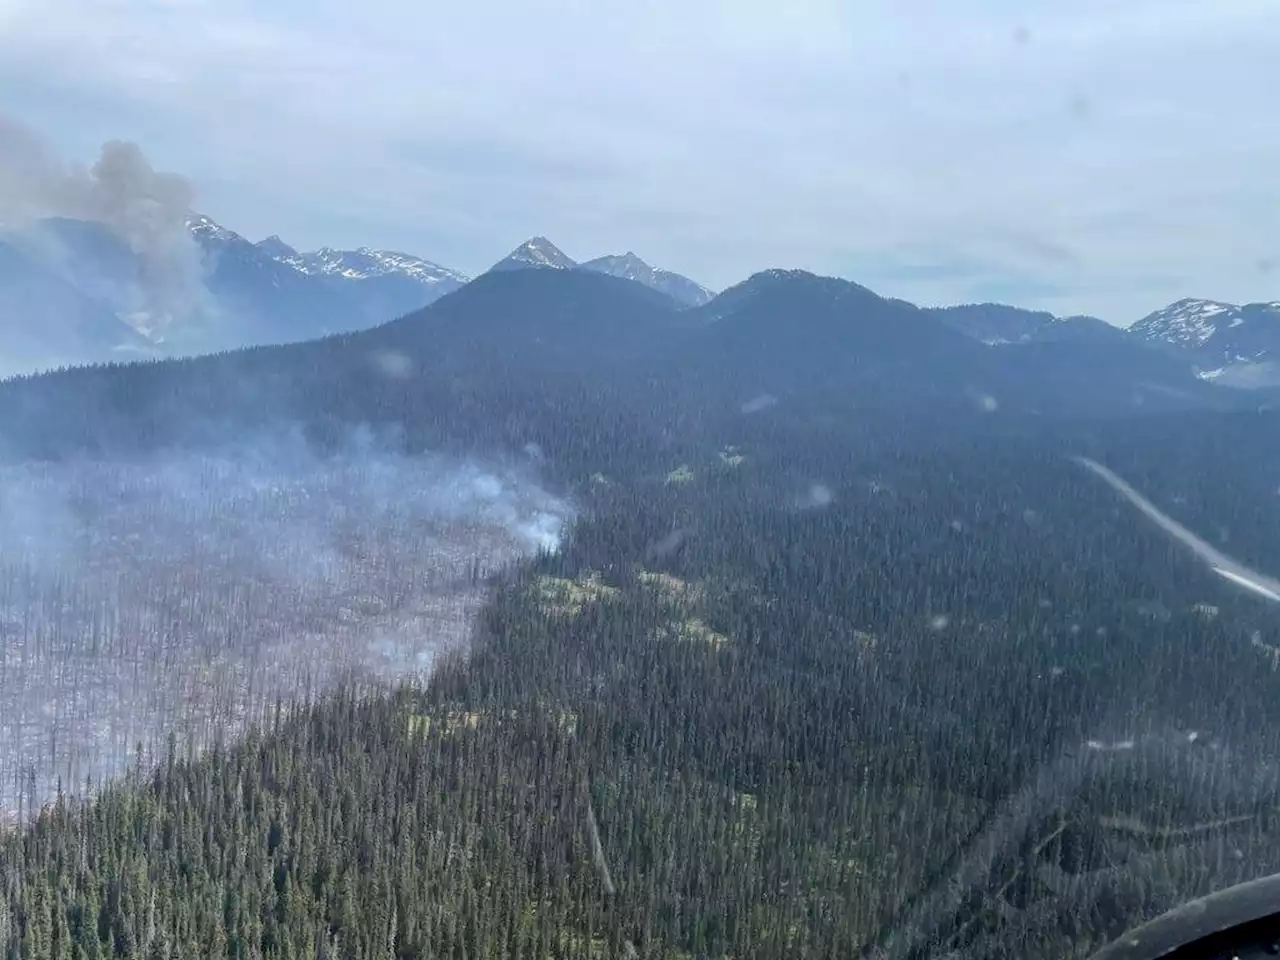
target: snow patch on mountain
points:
(1230, 344)
(203, 228)
(1188, 322)
(535, 253)
(629, 266)
(366, 262)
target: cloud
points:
(1115, 158)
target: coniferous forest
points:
(809, 671)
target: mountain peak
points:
(1229, 343)
(535, 253)
(276, 248)
(624, 261)
(778, 279)
(629, 266)
(1189, 322)
(205, 228)
(769, 288)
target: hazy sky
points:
(1083, 156)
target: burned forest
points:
(189, 596)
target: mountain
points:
(47, 322)
(282, 289)
(631, 267)
(76, 292)
(277, 249)
(541, 253)
(366, 263)
(258, 299)
(100, 265)
(1234, 344)
(817, 350)
(1081, 329)
(789, 334)
(1188, 323)
(782, 322)
(538, 252)
(381, 284)
(994, 323)
(807, 341)
(570, 319)
(503, 357)
(997, 324)
(496, 363)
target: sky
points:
(1090, 156)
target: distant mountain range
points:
(1230, 344)
(497, 364)
(270, 293)
(72, 292)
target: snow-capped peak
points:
(381, 262)
(1188, 322)
(1229, 343)
(538, 252)
(361, 264)
(204, 228)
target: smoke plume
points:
(144, 208)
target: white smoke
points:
(762, 402)
(186, 592)
(144, 208)
(817, 495)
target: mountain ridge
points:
(363, 263)
(629, 266)
(1235, 344)
(270, 292)
(1000, 324)
(540, 253)
(493, 362)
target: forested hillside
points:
(813, 673)
(567, 359)
(737, 715)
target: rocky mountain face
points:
(630, 267)
(1235, 344)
